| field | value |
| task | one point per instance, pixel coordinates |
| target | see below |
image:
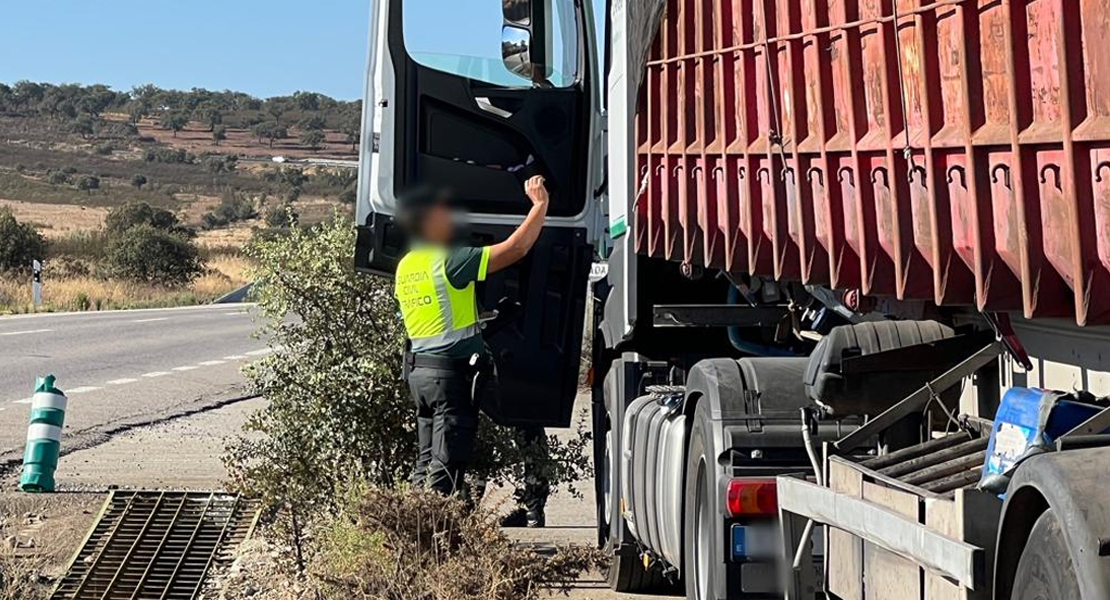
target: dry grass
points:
(225, 274)
(56, 220)
(20, 573)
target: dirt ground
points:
(185, 454)
(198, 139)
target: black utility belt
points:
(429, 361)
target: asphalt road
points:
(121, 369)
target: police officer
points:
(435, 289)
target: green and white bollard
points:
(44, 437)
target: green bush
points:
(282, 216)
(132, 214)
(167, 156)
(151, 255)
(339, 409)
(233, 207)
(20, 244)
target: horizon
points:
(205, 44)
(321, 49)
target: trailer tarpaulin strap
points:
(645, 16)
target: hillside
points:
(70, 154)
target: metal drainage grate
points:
(148, 545)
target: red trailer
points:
(954, 151)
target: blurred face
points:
(439, 225)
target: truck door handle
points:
(485, 104)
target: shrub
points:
(420, 546)
(132, 214)
(88, 183)
(151, 255)
(20, 244)
(282, 216)
(339, 409)
(167, 156)
(57, 178)
(233, 207)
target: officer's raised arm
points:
(521, 241)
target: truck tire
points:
(1045, 570)
(703, 568)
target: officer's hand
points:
(535, 190)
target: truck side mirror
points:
(524, 39)
(516, 50)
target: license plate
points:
(756, 542)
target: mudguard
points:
(1073, 484)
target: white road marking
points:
(236, 314)
(186, 368)
(235, 357)
(154, 374)
(212, 363)
(124, 381)
(29, 331)
(23, 401)
(259, 352)
(82, 390)
(151, 320)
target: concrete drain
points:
(148, 545)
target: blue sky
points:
(262, 47)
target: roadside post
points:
(36, 283)
(44, 437)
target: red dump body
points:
(773, 136)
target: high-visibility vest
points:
(436, 313)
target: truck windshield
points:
(464, 38)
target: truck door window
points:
(464, 38)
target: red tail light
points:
(752, 498)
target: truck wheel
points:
(702, 567)
(1045, 571)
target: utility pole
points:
(36, 283)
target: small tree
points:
(20, 243)
(211, 116)
(276, 132)
(174, 121)
(88, 183)
(313, 139)
(219, 134)
(138, 181)
(133, 214)
(57, 178)
(84, 125)
(275, 109)
(314, 122)
(150, 255)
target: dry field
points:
(198, 139)
(225, 274)
(56, 220)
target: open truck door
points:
(477, 97)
